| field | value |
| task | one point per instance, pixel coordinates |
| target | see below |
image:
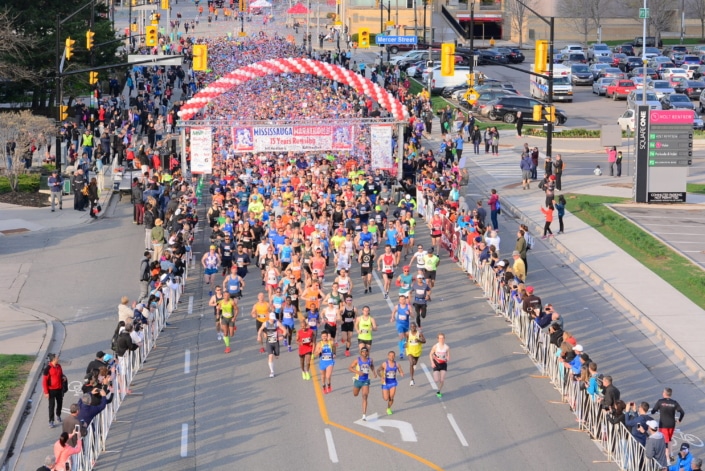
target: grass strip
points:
(698, 188)
(13, 374)
(672, 267)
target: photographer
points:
(636, 420)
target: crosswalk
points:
(503, 167)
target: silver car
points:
(661, 88)
(599, 50)
(635, 99)
(599, 86)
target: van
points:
(438, 82)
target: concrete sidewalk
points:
(667, 314)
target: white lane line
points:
(184, 440)
(187, 362)
(331, 446)
(429, 376)
(457, 430)
(381, 288)
(190, 304)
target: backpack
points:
(114, 342)
(529, 241)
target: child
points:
(560, 207)
(548, 213)
(597, 171)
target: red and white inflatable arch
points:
(293, 66)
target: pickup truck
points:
(395, 48)
(650, 41)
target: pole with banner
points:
(201, 151)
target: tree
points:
(12, 47)
(660, 14)
(518, 11)
(19, 131)
(577, 13)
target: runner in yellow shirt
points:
(260, 312)
(414, 347)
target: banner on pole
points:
(201, 150)
(381, 146)
(292, 138)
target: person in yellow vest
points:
(87, 143)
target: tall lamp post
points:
(551, 33)
(425, 4)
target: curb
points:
(9, 437)
(693, 366)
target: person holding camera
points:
(636, 420)
(63, 451)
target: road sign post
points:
(385, 40)
(643, 13)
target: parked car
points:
(663, 66)
(572, 48)
(595, 69)
(602, 60)
(486, 97)
(514, 56)
(631, 63)
(639, 72)
(670, 72)
(650, 41)
(691, 88)
(699, 72)
(639, 82)
(690, 60)
(611, 72)
(677, 58)
(661, 88)
(619, 89)
(599, 86)
(701, 102)
(676, 101)
(417, 68)
(627, 49)
(636, 97)
(493, 56)
(598, 50)
(575, 58)
(414, 55)
(675, 49)
(626, 121)
(518, 55)
(690, 69)
(619, 60)
(580, 74)
(676, 81)
(506, 108)
(650, 52)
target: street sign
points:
(383, 40)
(643, 13)
(471, 96)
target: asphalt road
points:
(223, 410)
(683, 229)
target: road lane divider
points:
(332, 454)
(457, 430)
(184, 440)
(187, 362)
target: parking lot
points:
(681, 228)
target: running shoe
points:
(261, 350)
(58, 418)
(227, 349)
(51, 424)
(303, 375)
(210, 293)
(386, 296)
(389, 411)
(289, 347)
(330, 389)
(271, 375)
(220, 337)
(325, 390)
(308, 376)
(438, 394)
(347, 353)
(364, 417)
(286, 343)
(411, 383)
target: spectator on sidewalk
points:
(87, 411)
(611, 158)
(78, 182)
(697, 464)
(53, 385)
(63, 451)
(124, 310)
(534, 163)
(684, 459)
(137, 200)
(531, 302)
(525, 166)
(655, 444)
(549, 190)
(49, 463)
(145, 276)
(70, 424)
(521, 247)
(96, 364)
(475, 136)
(560, 207)
(520, 123)
(548, 218)
(493, 203)
(558, 167)
(610, 394)
(619, 163)
(518, 267)
(124, 341)
(56, 187)
(637, 419)
(158, 239)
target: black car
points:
(639, 71)
(448, 91)
(631, 63)
(514, 55)
(580, 74)
(491, 56)
(485, 97)
(699, 73)
(691, 88)
(506, 108)
(627, 49)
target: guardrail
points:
(616, 441)
(125, 369)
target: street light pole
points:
(425, 4)
(643, 59)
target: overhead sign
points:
(292, 138)
(383, 40)
(201, 150)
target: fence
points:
(125, 370)
(615, 441)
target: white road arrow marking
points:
(405, 428)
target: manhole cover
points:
(14, 231)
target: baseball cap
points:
(419, 277)
(478, 239)
(578, 348)
(685, 447)
(365, 349)
(107, 358)
(501, 263)
(530, 289)
(100, 354)
(652, 424)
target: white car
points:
(660, 88)
(635, 98)
(626, 121)
(409, 56)
(669, 73)
(571, 48)
(598, 50)
(690, 69)
(412, 69)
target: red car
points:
(619, 89)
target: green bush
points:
(26, 183)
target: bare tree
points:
(12, 47)
(660, 15)
(597, 9)
(697, 7)
(19, 132)
(518, 11)
(578, 14)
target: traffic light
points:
(541, 56)
(165, 4)
(92, 78)
(447, 59)
(133, 27)
(550, 113)
(200, 57)
(69, 47)
(471, 79)
(151, 36)
(537, 113)
(63, 112)
(89, 39)
(364, 37)
(243, 5)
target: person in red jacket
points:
(548, 214)
(53, 388)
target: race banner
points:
(201, 150)
(292, 138)
(381, 147)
